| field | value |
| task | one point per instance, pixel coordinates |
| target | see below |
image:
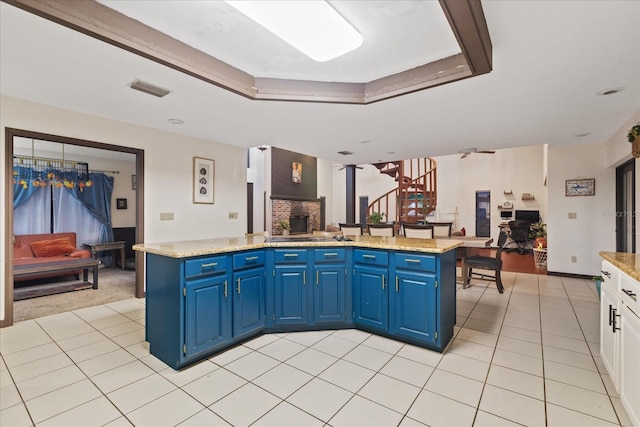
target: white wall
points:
(593, 230)
(168, 172)
(256, 175)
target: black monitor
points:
(531, 216)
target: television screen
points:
(506, 214)
(531, 216)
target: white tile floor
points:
(529, 356)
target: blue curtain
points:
(23, 184)
(97, 199)
(93, 192)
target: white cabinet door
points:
(609, 337)
(630, 363)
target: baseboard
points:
(572, 275)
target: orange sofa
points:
(39, 248)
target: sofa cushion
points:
(51, 248)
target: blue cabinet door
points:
(207, 309)
(248, 302)
(414, 310)
(290, 294)
(370, 297)
(329, 294)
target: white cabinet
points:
(620, 336)
(608, 336)
(630, 363)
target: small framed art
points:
(296, 173)
(203, 180)
(580, 187)
(121, 203)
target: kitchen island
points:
(204, 296)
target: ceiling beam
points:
(466, 18)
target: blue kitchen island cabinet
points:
(249, 305)
(330, 287)
(205, 296)
(370, 293)
(189, 310)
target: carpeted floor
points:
(114, 285)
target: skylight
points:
(313, 27)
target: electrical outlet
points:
(166, 216)
(573, 215)
(574, 258)
(233, 215)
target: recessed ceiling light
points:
(313, 27)
(391, 152)
(366, 141)
(149, 88)
(582, 135)
(610, 91)
(345, 153)
(176, 121)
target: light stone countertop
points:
(627, 262)
(192, 248)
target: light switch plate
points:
(166, 216)
(573, 215)
(233, 215)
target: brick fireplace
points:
(295, 212)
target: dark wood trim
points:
(571, 275)
(621, 212)
(350, 170)
(294, 198)
(10, 133)
(465, 17)
(8, 229)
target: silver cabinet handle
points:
(397, 285)
(211, 264)
(225, 288)
(238, 285)
(409, 260)
(631, 294)
(383, 282)
(368, 256)
(304, 277)
(251, 258)
(605, 273)
(330, 254)
(290, 255)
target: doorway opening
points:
(12, 135)
(483, 213)
(626, 207)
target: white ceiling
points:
(549, 60)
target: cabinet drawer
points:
(330, 255)
(290, 256)
(630, 292)
(248, 259)
(205, 266)
(413, 261)
(610, 274)
(361, 256)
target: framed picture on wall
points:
(121, 203)
(580, 187)
(296, 172)
(203, 180)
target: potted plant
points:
(539, 234)
(284, 226)
(376, 217)
(598, 281)
(634, 138)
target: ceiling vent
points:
(149, 88)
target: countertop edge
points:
(208, 250)
(626, 262)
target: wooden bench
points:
(55, 266)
